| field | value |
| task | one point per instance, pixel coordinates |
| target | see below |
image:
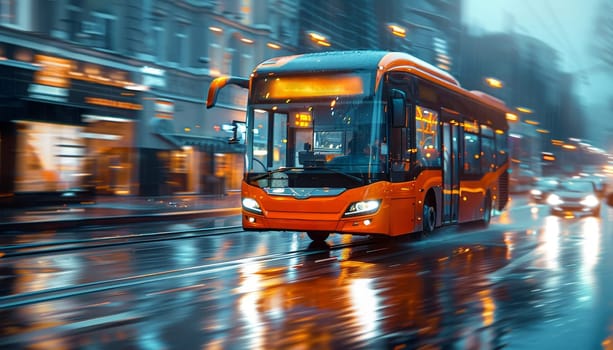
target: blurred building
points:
(427, 29)
(337, 25)
(108, 96)
(529, 81)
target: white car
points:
(574, 197)
(543, 187)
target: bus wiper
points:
(306, 169)
(270, 172)
(352, 177)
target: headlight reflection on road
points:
(535, 212)
(590, 231)
(550, 243)
(365, 306)
(250, 286)
(489, 307)
(508, 241)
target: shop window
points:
(50, 157)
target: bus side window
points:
(427, 137)
(472, 154)
(488, 151)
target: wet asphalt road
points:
(528, 281)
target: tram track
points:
(50, 294)
(57, 246)
(38, 296)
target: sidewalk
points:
(116, 209)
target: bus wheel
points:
(429, 218)
(318, 236)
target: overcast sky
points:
(566, 25)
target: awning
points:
(203, 143)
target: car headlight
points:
(590, 201)
(251, 205)
(362, 208)
(554, 199)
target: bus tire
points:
(429, 217)
(318, 236)
(487, 210)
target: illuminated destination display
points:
(313, 86)
(303, 120)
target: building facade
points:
(427, 29)
(108, 97)
(530, 82)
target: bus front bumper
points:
(363, 224)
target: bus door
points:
(451, 171)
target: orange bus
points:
(367, 143)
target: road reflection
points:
(541, 281)
(380, 295)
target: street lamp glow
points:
(512, 117)
(494, 83)
(318, 38)
(397, 30)
(557, 142)
(524, 110)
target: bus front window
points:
(336, 135)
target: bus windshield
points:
(307, 140)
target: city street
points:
(528, 281)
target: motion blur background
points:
(106, 97)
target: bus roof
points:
(322, 61)
(349, 60)
(373, 60)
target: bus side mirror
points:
(238, 128)
(219, 83)
(398, 108)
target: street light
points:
(319, 39)
(512, 117)
(397, 30)
(494, 83)
(524, 110)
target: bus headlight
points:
(362, 208)
(251, 205)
